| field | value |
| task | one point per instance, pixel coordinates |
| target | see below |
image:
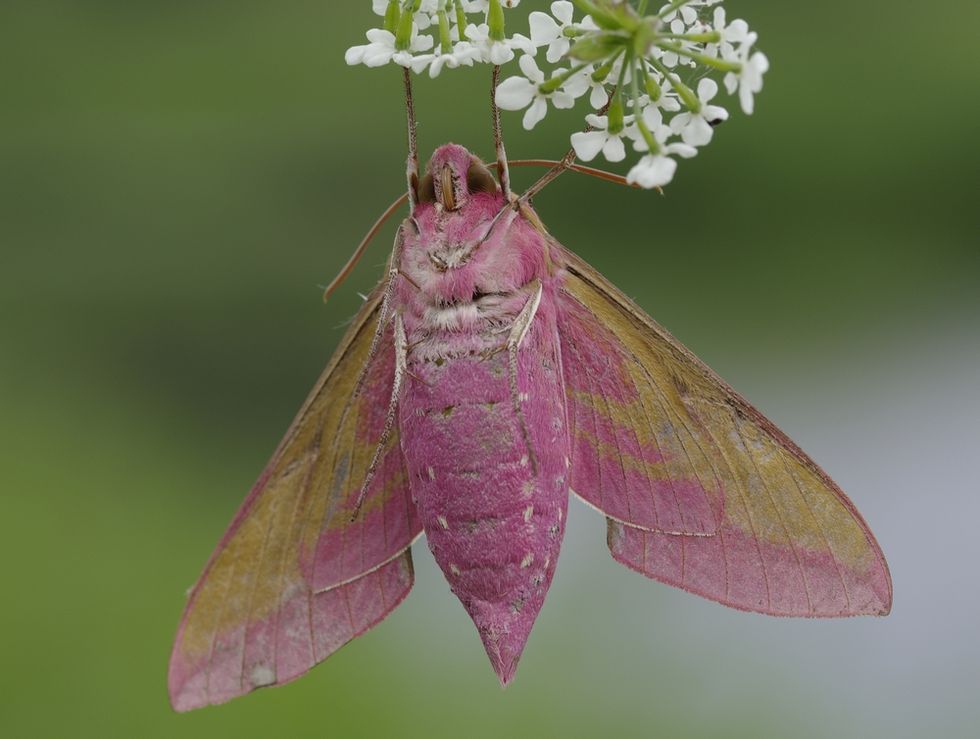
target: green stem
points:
(495, 19)
(712, 37)
(445, 39)
(460, 19)
(616, 20)
(403, 38)
(653, 88)
(687, 95)
(603, 72)
(392, 16)
(708, 61)
(554, 83)
(651, 140)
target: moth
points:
(491, 374)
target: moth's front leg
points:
(401, 368)
(518, 332)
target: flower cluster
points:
(437, 34)
(647, 76)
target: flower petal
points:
(588, 144)
(698, 132)
(536, 113)
(707, 89)
(615, 149)
(544, 30)
(515, 93)
(530, 69)
(563, 100)
(563, 11)
(652, 171)
(599, 97)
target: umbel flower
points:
(648, 76)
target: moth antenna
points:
(503, 170)
(412, 172)
(362, 247)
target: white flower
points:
(378, 51)
(381, 49)
(748, 81)
(546, 31)
(424, 17)
(463, 54)
(656, 170)
(695, 128)
(600, 95)
(583, 82)
(588, 144)
(517, 93)
(653, 170)
(672, 58)
(688, 12)
(668, 100)
(497, 52)
(732, 33)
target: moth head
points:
(453, 176)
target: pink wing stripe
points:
(646, 482)
(308, 628)
(735, 570)
(387, 524)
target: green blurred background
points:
(176, 180)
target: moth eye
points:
(480, 179)
(427, 190)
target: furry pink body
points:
(488, 468)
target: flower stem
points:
(709, 61)
(445, 40)
(554, 83)
(495, 19)
(392, 15)
(687, 95)
(460, 19)
(712, 37)
(650, 139)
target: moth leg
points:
(401, 369)
(503, 171)
(518, 332)
(391, 282)
(522, 324)
(412, 168)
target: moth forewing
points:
(274, 598)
